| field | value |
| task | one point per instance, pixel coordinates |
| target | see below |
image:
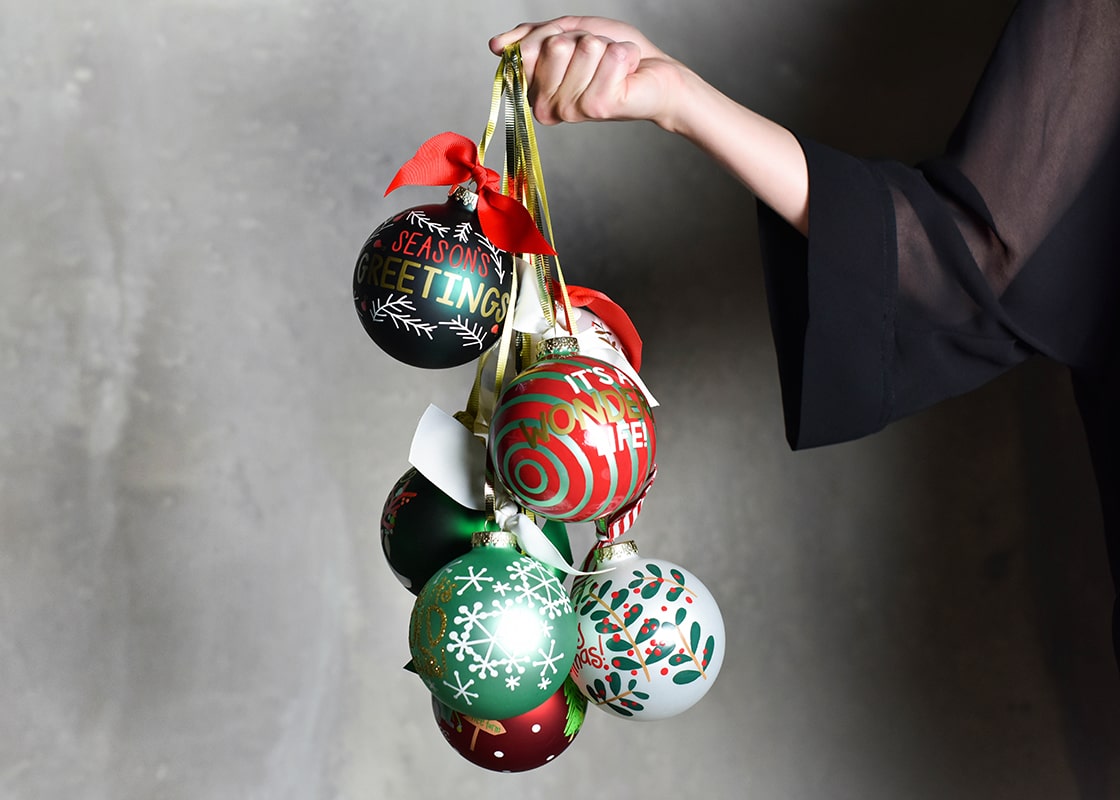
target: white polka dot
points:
(536, 728)
(499, 754)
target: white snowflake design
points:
(461, 688)
(535, 584)
(478, 639)
(473, 581)
(397, 310)
(548, 660)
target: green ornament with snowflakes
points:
(493, 633)
(650, 635)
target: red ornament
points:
(520, 743)
(572, 438)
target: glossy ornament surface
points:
(651, 636)
(493, 633)
(422, 529)
(572, 438)
(520, 743)
(430, 289)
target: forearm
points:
(763, 155)
(590, 68)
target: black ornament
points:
(430, 289)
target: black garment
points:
(918, 284)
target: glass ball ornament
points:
(422, 529)
(493, 633)
(572, 437)
(520, 743)
(650, 635)
(430, 289)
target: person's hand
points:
(592, 68)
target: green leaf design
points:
(710, 648)
(685, 676)
(618, 645)
(678, 576)
(654, 657)
(694, 636)
(624, 663)
(607, 626)
(681, 614)
(654, 569)
(674, 593)
(619, 598)
(680, 658)
(651, 589)
(646, 631)
(632, 613)
(615, 683)
(599, 614)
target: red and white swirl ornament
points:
(572, 438)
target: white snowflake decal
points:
(548, 659)
(473, 580)
(533, 583)
(512, 636)
(461, 688)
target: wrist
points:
(682, 93)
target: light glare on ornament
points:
(519, 631)
(601, 437)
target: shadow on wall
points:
(996, 579)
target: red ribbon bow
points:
(613, 315)
(451, 158)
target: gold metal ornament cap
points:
(493, 539)
(465, 197)
(558, 346)
(615, 551)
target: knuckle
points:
(620, 51)
(558, 47)
(591, 45)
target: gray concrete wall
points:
(196, 437)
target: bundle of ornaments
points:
(557, 430)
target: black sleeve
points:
(920, 283)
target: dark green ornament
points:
(422, 529)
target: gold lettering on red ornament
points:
(610, 405)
